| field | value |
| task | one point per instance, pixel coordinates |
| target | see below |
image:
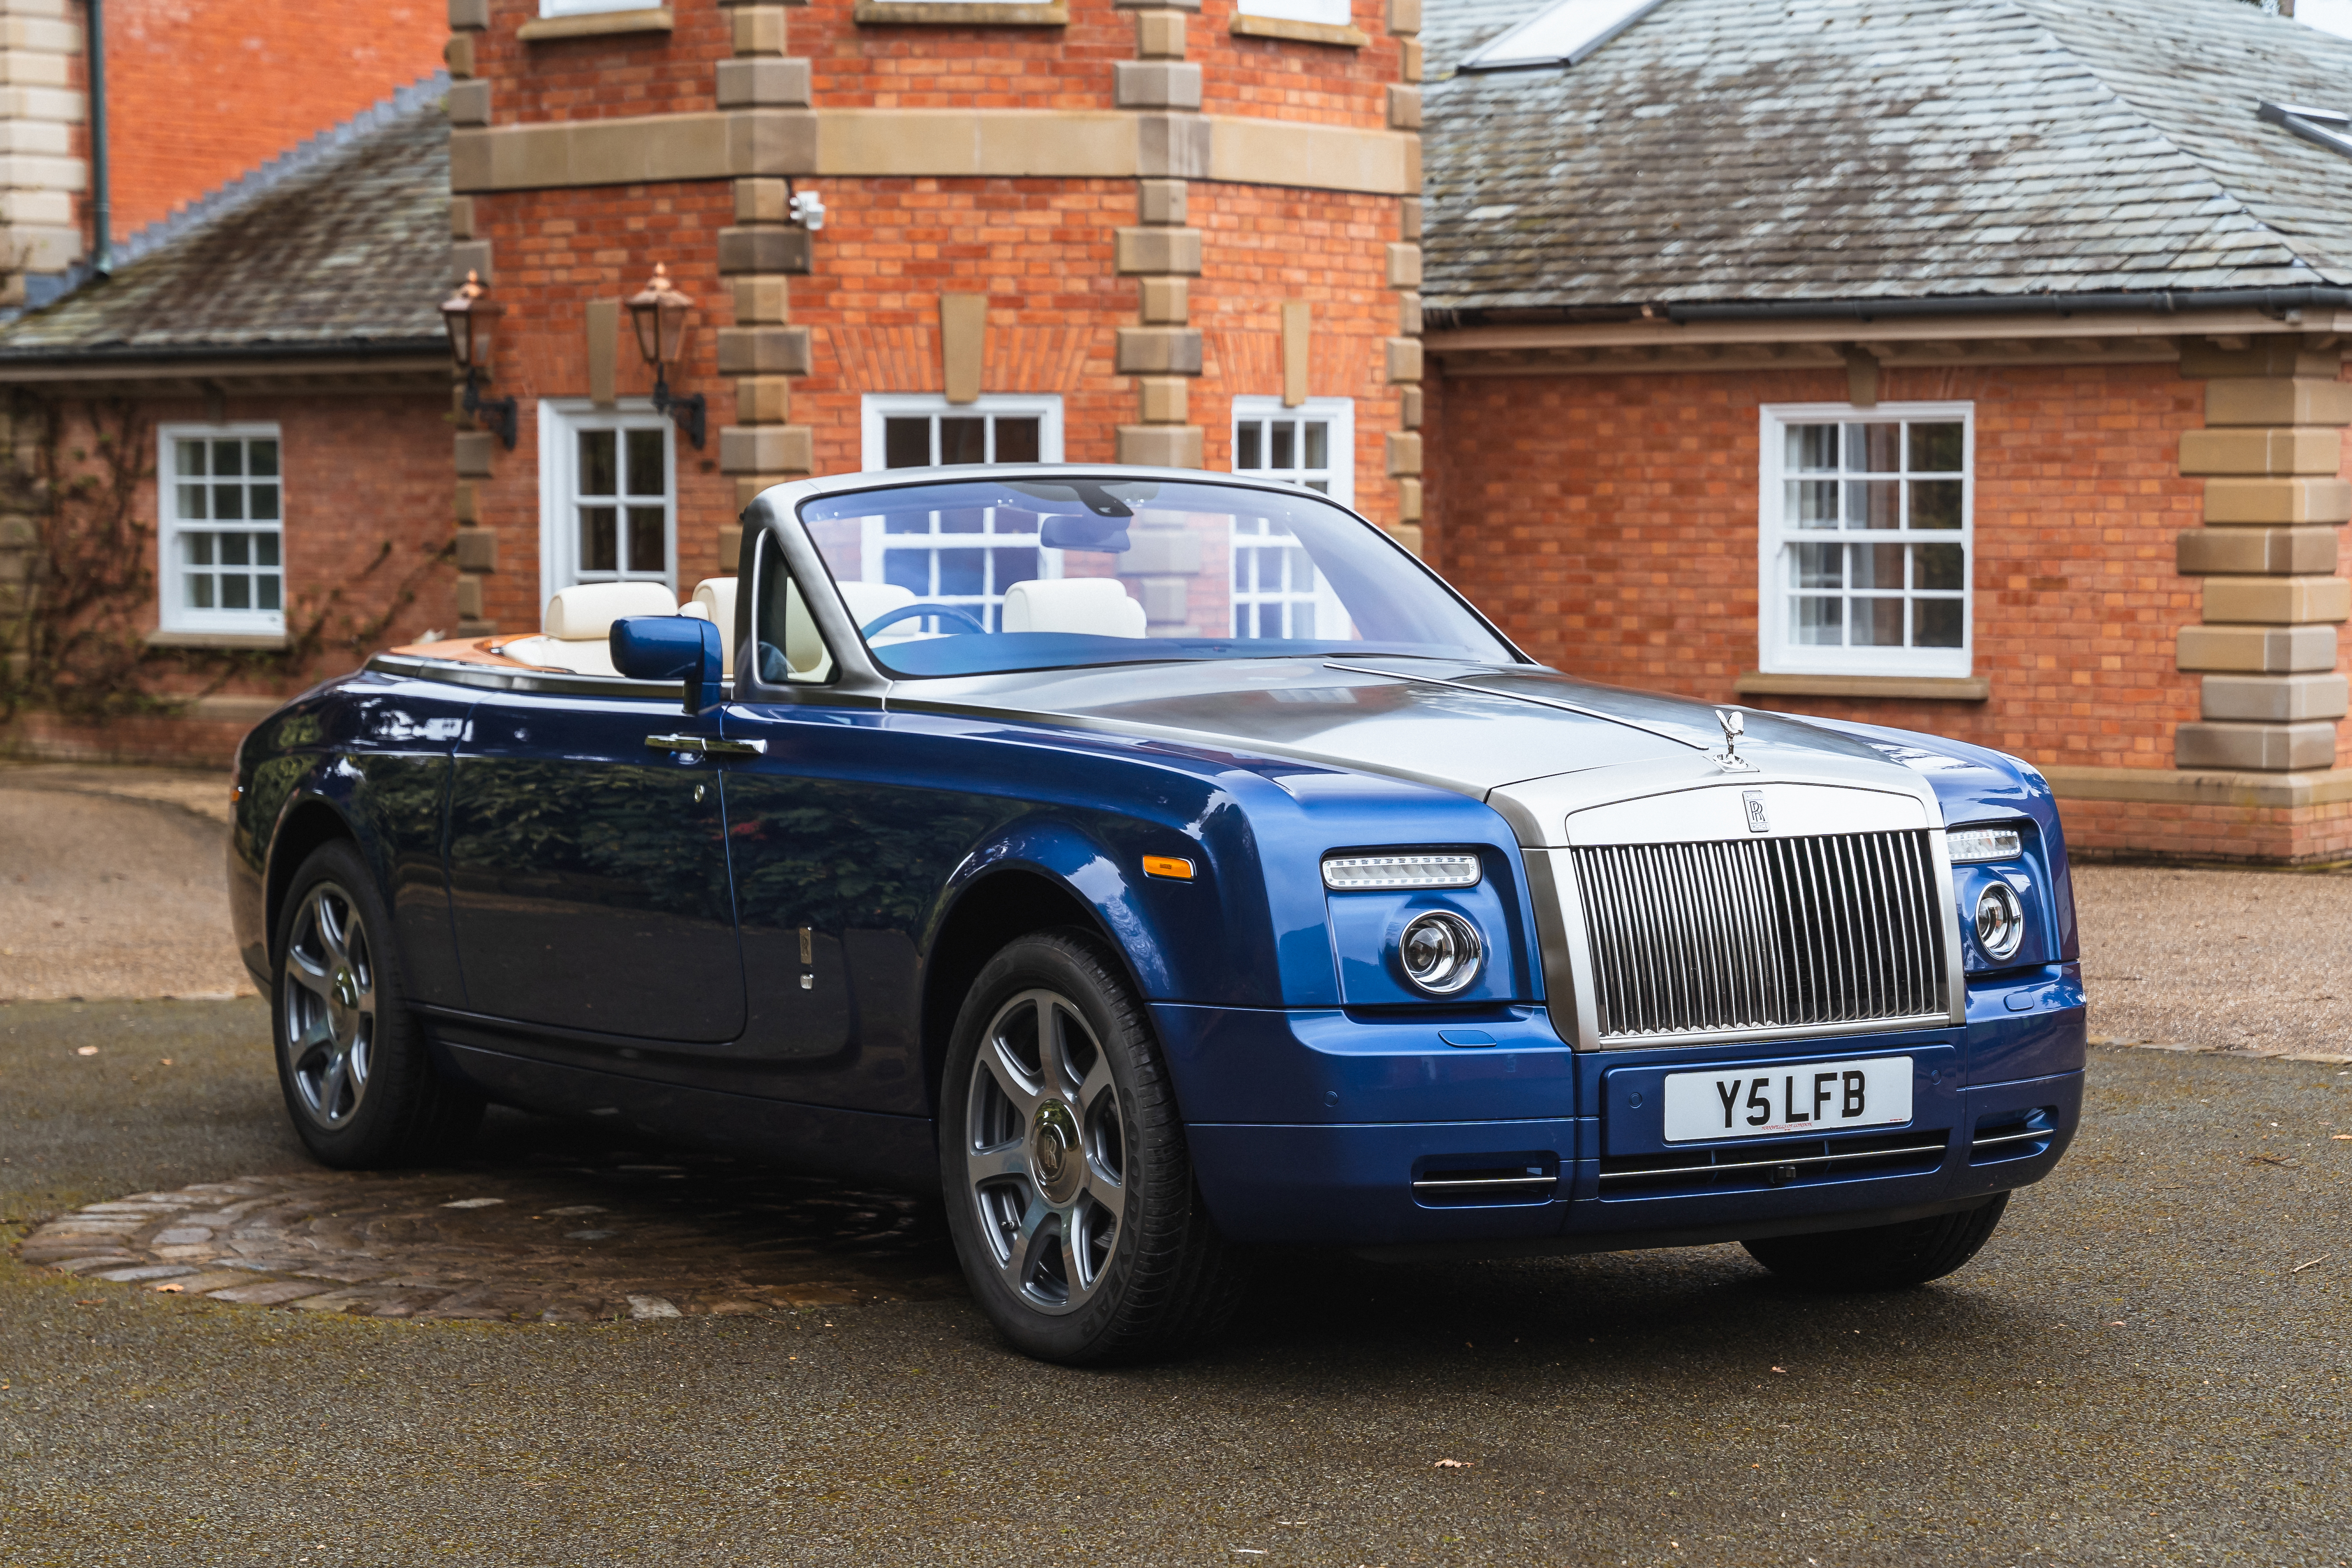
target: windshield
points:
(988, 576)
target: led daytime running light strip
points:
(1363, 873)
(1970, 845)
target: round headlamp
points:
(1439, 953)
(2000, 921)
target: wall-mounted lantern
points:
(470, 314)
(659, 312)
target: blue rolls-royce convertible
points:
(1154, 864)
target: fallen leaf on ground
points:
(1779, 1369)
(85, 1050)
(1455, 1465)
(2342, 1137)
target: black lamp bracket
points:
(495, 414)
(689, 412)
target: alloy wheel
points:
(330, 1013)
(1045, 1152)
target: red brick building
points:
(1967, 368)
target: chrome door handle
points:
(707, 746)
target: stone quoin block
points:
(760, 29)
(2251, 551)
(1158, 351)
(1162, 400)
(1160, 446)
(1404, 452)
(468, 103)
(763, 400)
(763, 83)
(1405, 359)
(783, 250)
(469, 16)
(474, 449)
(471, 256)
(763, 351)
(2273, 354)
(2255, 748)
(476, 549)
(762, 301)
(1404, 108)
(2274, 452)
(1160, 250)
(2275, 699)
(2256, 650)
(767, 449)
(2260, 501)
(1155, 84)
(1405, 267)
(2277, 601)
(1167, 301)
(1159, 34)
(1161, 201)
(2301, 400)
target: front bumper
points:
(1320, 1127)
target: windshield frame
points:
(857, 672)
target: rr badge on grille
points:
(1756, 821)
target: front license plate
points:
(1753, 1102)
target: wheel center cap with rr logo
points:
(1053, 1156)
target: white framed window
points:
(607, 495)
(587, 8)
(1867, 537)
(962, 558)
(1312, 445)
(220, 533)
(1330, 13)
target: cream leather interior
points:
(714, 601)
(867, 600)
(1097, 606)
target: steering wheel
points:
(911, 612)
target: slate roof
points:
(342, 248)
(1794, 150)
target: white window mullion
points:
(608, 495)
(220, 529)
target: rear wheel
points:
(351, 1059)
(1069, 1186)
(1883, 1257)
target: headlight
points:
(1972, 844)
(2000, 920)
(1369, 873)
(1441, 952)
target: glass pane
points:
(235, 549)
(600, 543)
(1011, 566)
(1877, 623)
(1017, 441)
(1813, 448)
(1936, 448)
(1934, 503)
(963, 440)
(961, 573)
(1321, 486)
(1285, 453)
(1318, 445)
(1938, 567)
(261, 458)
(908, 523)
(235, 591)
(1300, 571)
(1819, 566)
(599, 464)
(1873, 503)
(1878, 567)
(264, 498)
(1819, 621)
(908, 568)
(1874, 448)
(1813, 503)
(907, 443)
(265, 550)
(964, 519)
(228, 457)
(228, 501)
(190, 460)
(200, 591)
(648, 539)
(1938, 623)
(648, 466)
(1247, 448)
(265, 586)
(191, 501)
(1302, 618)
(200, 549)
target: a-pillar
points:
(2274, 507)
(759, 257)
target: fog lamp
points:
(1441, 952)
(2000, 921)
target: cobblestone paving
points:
(623, 1238)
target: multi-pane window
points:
(967, 557)
(1312, 445)
(221, 505)
(608, 495)
(1866, 533)
(1330, 13)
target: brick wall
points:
(202, 91)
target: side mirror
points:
(671, 648)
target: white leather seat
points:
(1096, 606)
(576, 633)
(869, 600)
(714, 601)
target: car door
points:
(588, 867)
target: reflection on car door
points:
(588, 870)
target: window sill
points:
(596, 24)
(165, 639)
(1298, 32)
(1909, 688)
(959, 14)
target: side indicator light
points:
(1168, 866)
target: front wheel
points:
(1883, 1257)
(352, 1058)
(1070, 1191)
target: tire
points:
(352, 1058)
(1069, 1186)
(1882, 1258)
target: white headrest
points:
(714, 601)
(1097, 607)
(869, 600)
(585, 610)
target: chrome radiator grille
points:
(1764, 933)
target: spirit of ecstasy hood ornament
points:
(1735, 725)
